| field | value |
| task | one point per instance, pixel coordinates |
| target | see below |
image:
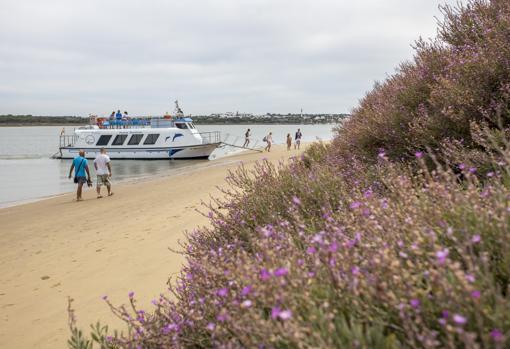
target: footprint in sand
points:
(45, 277)
(56, 285)
(99, 250)
(7, 305)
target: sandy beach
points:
(55, 248)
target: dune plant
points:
(395, 235)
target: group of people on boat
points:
(268, 139)
(82, 173)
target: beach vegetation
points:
(394, 235)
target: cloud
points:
(78, 57)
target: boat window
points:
(181, 126)
(135, 139)
(119, 140)
(104, 140)
(191, 126)
(151, 139)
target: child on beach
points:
(289, 141)
(269, 140)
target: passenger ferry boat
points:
(141, 139)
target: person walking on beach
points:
(269, 140)
(247, 138)
(289, 141)
(80, 167)
(297, 139)
(103, 172)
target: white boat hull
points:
(202, 151)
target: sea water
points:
(27, 171)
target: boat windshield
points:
(180, 125)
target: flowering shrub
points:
(333, 250)
(460, 77)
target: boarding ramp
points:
(238, 141)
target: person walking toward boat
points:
(247, 138)
(269, 140)
(289, 141)
(297, 139)
(103, 172)
(81, 173)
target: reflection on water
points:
(27, 172)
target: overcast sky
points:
(68, 57)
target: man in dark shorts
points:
(80, 167)
(297, 139)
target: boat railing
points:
(68, 140)
(210, 137)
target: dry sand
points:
(56, 248)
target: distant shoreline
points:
(265, 122)
(276, 119)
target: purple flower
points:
(281, 272)
(333, 247)
(131, 294)
(246, 290)
(355, 205)
(311, 250)
(355, 270)
(497, 335)
(105, 297)
(264, 274)
(472, 170)
(459, 319)
(275, 311)
(462, 166)
(418, 154)
(222, 292)
(475, 294)
(278, 313)
(470, 278)
(476, 239)
(442, 255)
(211, 326)
(296, 200)
(415, 303)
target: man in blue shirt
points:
(80, 166)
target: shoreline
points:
(56, 248)
(214, 162)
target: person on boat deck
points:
(247, 138)
(103, 172)
(80, 167)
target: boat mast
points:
(178, 111)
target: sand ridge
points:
(56, 248)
